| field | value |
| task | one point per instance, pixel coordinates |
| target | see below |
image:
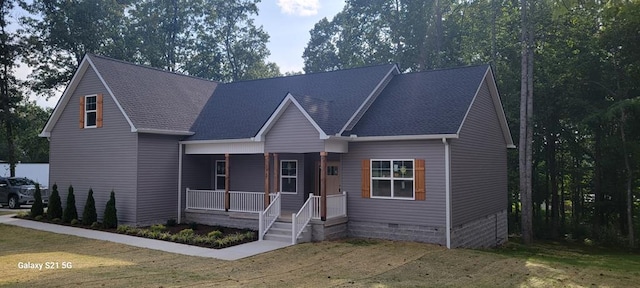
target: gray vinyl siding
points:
(157, 178)
(103, 159)
(478, 164)
(430, 212)
(293, 133)
(196, 174)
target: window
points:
(221, 174)
(91, 111)
(289, 176)
(392, 179)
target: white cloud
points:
(299, 7)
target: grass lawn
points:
(7, 213)
(350, 263)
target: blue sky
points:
(287, 22)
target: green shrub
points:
(215, 234)
(171, 223)
(39, 218)
(122, 229)
(164, 236)
(186, 232)
(37, 209)
(75, 222)
(56, 220)
(193, 226)
(55, 206)
(95, 225)
(70, 211)
(110, 213)
(158, 228)
(89, 215)
(143, 233)
(23, 215)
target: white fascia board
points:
(104, 83)
(64, 99)
(164, 132)
(68, 92)
(364, 103)
(289, 99)
(239, 140)
(497, 104)
(402, 137)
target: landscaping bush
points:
(89, 215)
(171, 223)
(95, 225)
(158, 228)
(110, 213)
(75, 222)
(55, 205)
(37, 209)
(193, 226)
(70, 211)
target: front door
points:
(333, 178)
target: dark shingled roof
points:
(422, 103)
(154, 98)
(240, 109)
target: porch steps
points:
(281, 231)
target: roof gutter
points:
(355, 138)
(162, 131)
(221, 141)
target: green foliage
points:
(110, 213)
(37, 209)
(95, 225)
(171, 223)
(75, 222)
(38, 218)
(89, 215)
(158, 228)
(70, 211)
(55, 205)
(215, 234)
(193, 226)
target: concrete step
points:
(281, 231)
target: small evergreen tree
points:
(37, 209)
(70, 211)
(89, 214)
(110, 213)
(55, 204)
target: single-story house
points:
(362, 152)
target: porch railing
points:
(336, 205)
(301, 219)
(205, 199)
(269, 216)
(251, 202)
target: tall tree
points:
(62, 32)
(526, 120)
(10, 94)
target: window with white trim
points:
(289, 176)
(392, 179)
(221, 174)
(91, 111)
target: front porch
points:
(303, 195)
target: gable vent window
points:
(91, 111)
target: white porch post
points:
(323, 186)
(227, 196)
(447, 177)
(267, 200)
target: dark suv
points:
(20, 191)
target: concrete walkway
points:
(231, 253)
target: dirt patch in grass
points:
(346, 263)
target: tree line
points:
(212, 39)
(579, 60)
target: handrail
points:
(268, 217)
(301, 219)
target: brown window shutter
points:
(420, 185)
(366, 179)
(81, 112)
(99, 111)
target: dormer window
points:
(91, 111)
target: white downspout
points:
(447, 179)
(180, 183)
